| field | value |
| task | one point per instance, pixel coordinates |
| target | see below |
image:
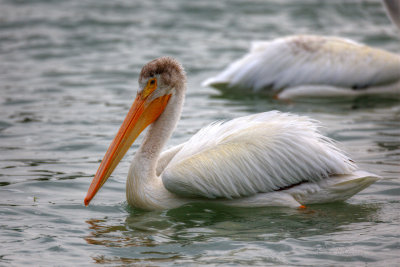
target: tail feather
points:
(333, 189)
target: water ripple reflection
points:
(158, 236)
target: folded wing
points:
(253, 154)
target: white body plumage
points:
(311, 66)
(266, 159)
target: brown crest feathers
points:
(168, 68)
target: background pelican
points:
(311, 66)
(270, 158)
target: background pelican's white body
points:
(311, 66)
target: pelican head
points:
(159, 80)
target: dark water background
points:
(68, 74)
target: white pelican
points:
(266, 159)
(311, 66)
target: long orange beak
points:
(140, 115)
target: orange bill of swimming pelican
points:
(265, 159)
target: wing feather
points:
(253, 154)
(166, 157)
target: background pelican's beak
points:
(140, 115)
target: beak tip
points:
(87, 201)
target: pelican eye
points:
(150, 87)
